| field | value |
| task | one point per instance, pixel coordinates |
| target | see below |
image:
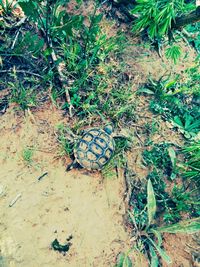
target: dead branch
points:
(21, 71)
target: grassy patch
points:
(176, 101)
(27, 155)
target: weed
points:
(123, 260)
(166, 204)
(157, 16)
(30, 44)
(6, 6)
(180, 197)
(119, 158)
(157, 19)
(151, 128)
(159, 157)
(192, 163)
(64, 140)
(191, 85)
(188, 125)
(84, 51)
(148, 234)
(24, 97)
(171, 101)
(163, 163)
(27, 155)
(160, 89)
(173, 52)
(179, 202)
(193, 36)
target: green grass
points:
(6, 6)
(175, 101)
(66, 142)
(143, 216)
(119, 159)
(192, 162)
(98, 86)
(27, 155)
(24, 97)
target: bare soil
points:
(59, 205)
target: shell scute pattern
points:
(102, 143)
(91, 156)
(83, 145)
(108, 153)
(88, 137)
(103, 160)
(94, 149)
(105, 137)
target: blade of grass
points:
(151, 202)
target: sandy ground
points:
(59, 205)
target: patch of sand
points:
(59, 205)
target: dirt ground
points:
(59, 205)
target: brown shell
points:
(94, 149)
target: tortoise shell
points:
(95, 148)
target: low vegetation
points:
(52, 54)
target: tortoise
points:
(94, 148)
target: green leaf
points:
(177, 121)
(151, 202)
(187, 226)
(170, 84)
(161, 252)
(164, 27)
(154, 257)
(174, 53)
(172, 155)
(146, 91)
(30, 10)
(157, 235)
(123, 261)
(188, 121)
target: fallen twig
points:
(40, 177)
(65, 87)
(138, 136)
(15, 39)
(63, 79)
(15, 200)
(19, 23)
(21, 71)
(128, 185)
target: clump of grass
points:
(119, 159)
(144, 218)
(176, 101)
(86, 56)
(6, 7)
(24, 97)
(66, 142)
(159, 157)
(192, 163)
(27, 155)
(163, 164)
